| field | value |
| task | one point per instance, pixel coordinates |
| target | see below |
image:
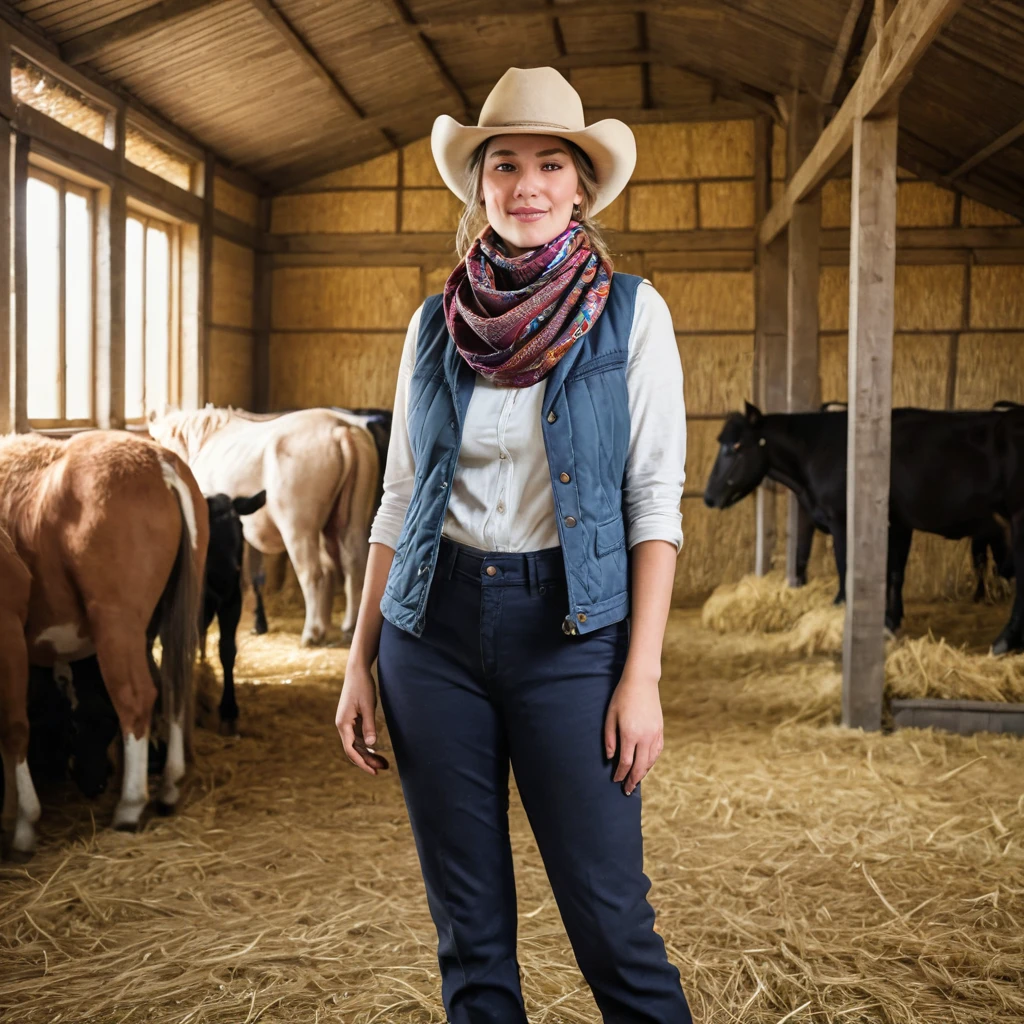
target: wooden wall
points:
(230, 330)
(359, 249)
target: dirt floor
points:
(801, 872)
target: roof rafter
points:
(90, 45)
(1004, 140)
(841, 54)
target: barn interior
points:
(234, 202)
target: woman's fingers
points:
(357, 746)
(646, 750)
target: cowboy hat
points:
(536, 101)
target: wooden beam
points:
(803, 388)
(841, 54)
(262, 291)
(913, 25)
(1004, 140)
(872, 291)
(90, 45)
(401, 14)
(881, 12)
(596, 8)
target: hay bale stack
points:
(765, 604)
(926, 667)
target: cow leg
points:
(900, 538)
(804, 541)
(121, 652)
(228, 615)
(327, 588)
(304, 551)
(21, 804)
(838, 530)
(1012, 636)
(259, 580)
(979, 559)
(355, 551)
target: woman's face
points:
(529, 187)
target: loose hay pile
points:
(801, 872)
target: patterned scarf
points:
(513, 317)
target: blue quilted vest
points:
(586, 434)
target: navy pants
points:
(493, 680)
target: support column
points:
(803, 390)
(19, 364)
(872, 289)
(261, 297)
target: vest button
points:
(552, 417)
(582, 616)
(491, 570)
(569, 521)
(444, 484)
(564, 477)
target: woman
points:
(523, 558)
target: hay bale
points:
(833, 298)
(835, 203)
(922, 204)
(764, 604)
(701, 451)
(358, 212)
(230, 368)
(717, 547)
(613, 216)
(662, 207)
(717, 371)
(431, 209)
(381, 171)
(989, 367)
(354, 370)
(726, 204)
(418, 167)
(926, 667)
(327, 298)
(707, 149)
(708, 301)
(974, 214)
(232, 283)
(997, 296)
(235, 202)
(818, 631)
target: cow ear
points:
(752, 413)
(246, 506)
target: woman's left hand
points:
(635, 726)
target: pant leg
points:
(555, 693)
(452, 758)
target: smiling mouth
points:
(528, 216)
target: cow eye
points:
(736, 446)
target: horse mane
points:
(191, 430)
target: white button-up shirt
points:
(501, 495)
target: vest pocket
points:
(611, 535)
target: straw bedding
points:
(801, 872)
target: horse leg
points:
(259, 580)
(304, 551)
(900, 538)
(121, 651)
(1012, 636)
(21, 804)
(228, 615)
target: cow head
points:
(225, 551)
(741, 463)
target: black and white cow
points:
(952, 474)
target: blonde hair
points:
(474, 218)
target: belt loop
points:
(532, 575)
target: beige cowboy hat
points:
(536, 101)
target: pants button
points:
(491, 570)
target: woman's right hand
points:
(355, 718)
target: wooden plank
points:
(206, 281)
(161, 193)
(880, 14)
(19, 367)
(112, 210)
(872, 293)
(913, 25)
(1004, 140)
(90, 45)
(237, 230)
(803, 389)
(263, 272)
(596, 8)
(841, 54)
(937, 238)
(6, 206)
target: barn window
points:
(151, 344)
(37, 88)
(144, 151)
(60, 300)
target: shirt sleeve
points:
(655, 467)
(400, 471)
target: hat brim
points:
(609, 144)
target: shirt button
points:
(552, 417)
(569, 521)
(501, 506)
(491, 570)
(502, 456)
(564, 477)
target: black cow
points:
(222, 589)
(952, 472)
(378, 423)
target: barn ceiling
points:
(287, 89)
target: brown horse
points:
(114, 531)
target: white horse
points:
(319, 469)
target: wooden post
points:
(19, 368)
(803, 389)
(6, 347)
(206, 283)
(872, 288)
(261, 293)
